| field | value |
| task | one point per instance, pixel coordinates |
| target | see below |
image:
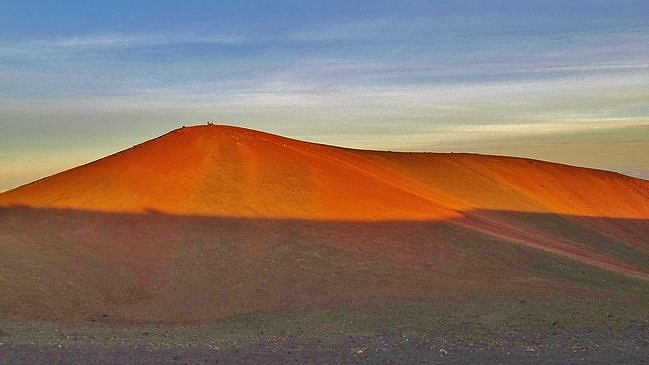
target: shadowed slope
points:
(191, 223)
(78, 265)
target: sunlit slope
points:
(517, 184)
(229, 171)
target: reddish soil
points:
(206, 222)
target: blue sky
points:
(566, 81)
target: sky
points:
(564, 81)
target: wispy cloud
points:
(565, 125)
(103, 40)
(57, 47)
(144, 40)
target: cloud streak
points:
(57, 48)
(144, 40)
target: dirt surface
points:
(505, 331)
(208, 222)
(174, 269)
(627, 346)
(219, 244)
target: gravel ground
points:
(627, 346)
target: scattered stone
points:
(358, 351)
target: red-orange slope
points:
(230, 171)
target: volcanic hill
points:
(211, 221)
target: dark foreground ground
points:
(507, 331)
(628, 346)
